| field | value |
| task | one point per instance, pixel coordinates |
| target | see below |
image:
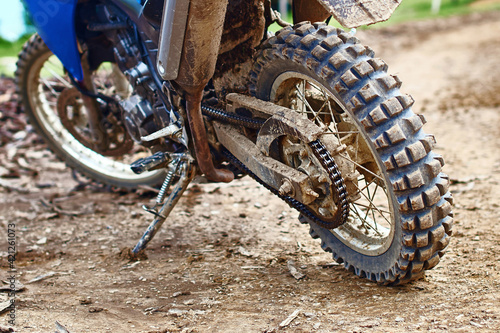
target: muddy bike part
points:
(187, 171)
(204, 27)
(400, 218)
(311, 182)
(42, 85)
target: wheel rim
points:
(45, 82)
(371, 224)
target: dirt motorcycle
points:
(156, 92)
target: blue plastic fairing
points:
(55, 23)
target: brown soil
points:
(220, 262)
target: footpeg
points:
(154, 162)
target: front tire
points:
(394, 236)
(41, 81)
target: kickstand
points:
(187, 170)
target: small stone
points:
(85, 301)
(370, 324)
(290, 318)
(399, 319)
(95, 309)
(257, 205)
(195, 257)
(244, 252)
(294, 271)
(309, 314)
(42, 241)
(4, 329)
(19, 135)
(181, 293)
(177, 312)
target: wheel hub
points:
(301, 157)
(73, 116)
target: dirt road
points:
(220, 264)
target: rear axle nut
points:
(287, 188)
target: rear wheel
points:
(56, 111)
(400, 209)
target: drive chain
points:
(321, 154)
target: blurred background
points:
(15, 26)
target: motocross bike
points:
(155, 92)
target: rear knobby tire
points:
(418, 191)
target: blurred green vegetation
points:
(11, 49)
(412, 10)
(8, 54)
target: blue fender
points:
(55, 23)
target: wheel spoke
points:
(333, 121)
(373, 212)
(362, 167)
(327, 102)
(373, 198)
(366, 186)
(371, 204)
(370, 199)
(49, 86)
(365, 224)
(375, 208)
(305, 103)
(58, 77)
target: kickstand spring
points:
(187, 173)
(164, 188)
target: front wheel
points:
(400, 209)
(55, 109)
